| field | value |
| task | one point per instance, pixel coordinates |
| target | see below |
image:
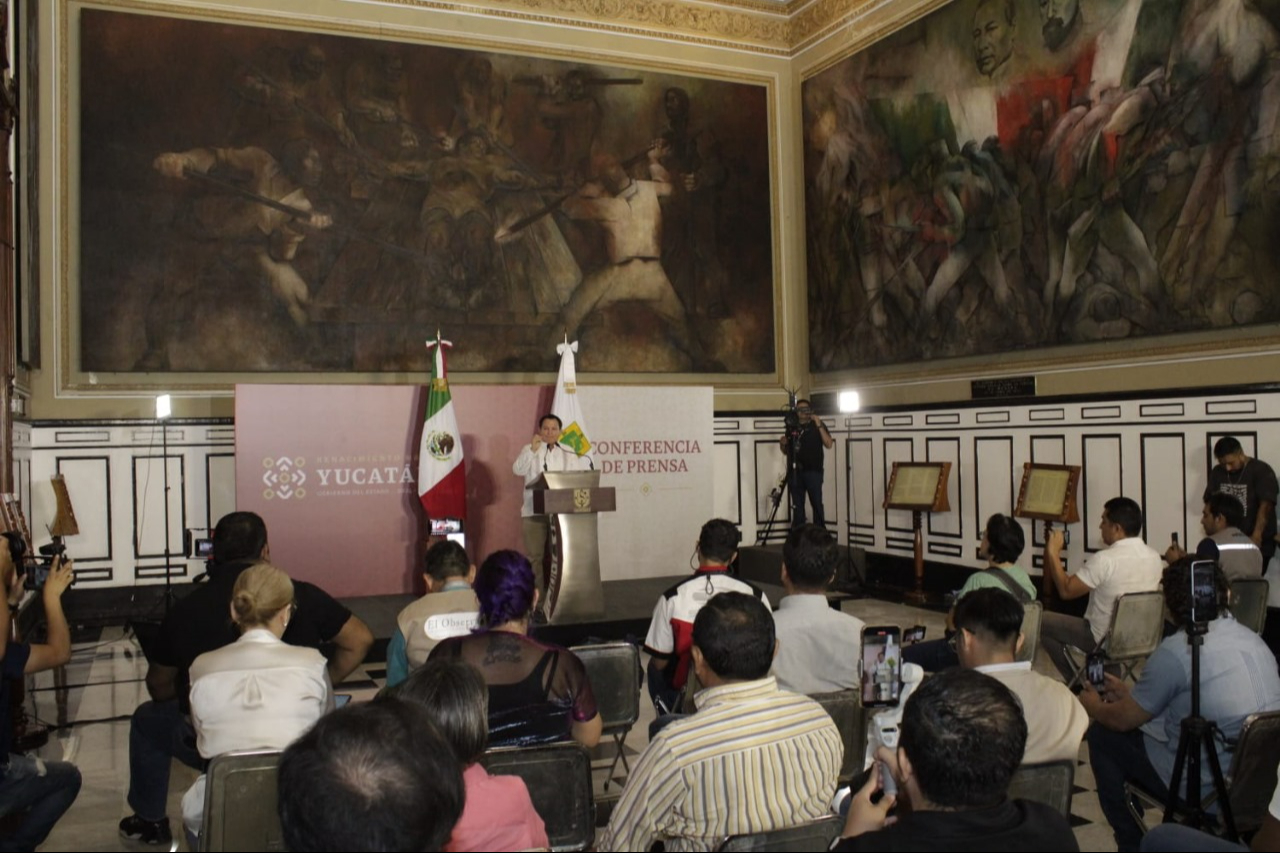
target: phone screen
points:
(1204, 593)
(1095, 670)
(913, 635)
(881, 665)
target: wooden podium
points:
(572, 591)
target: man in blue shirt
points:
(1135, 731)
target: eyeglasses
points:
(952, 641)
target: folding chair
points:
(240, 803)
(816, 835)
(845, 708)
(1049, 782)
(1137, 627)
(1249, 602)
(558, 776)
(1251, 779)
(614, 670)
(1031, 613)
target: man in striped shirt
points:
(753, 758)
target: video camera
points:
(35, 569)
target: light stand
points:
(164, 408)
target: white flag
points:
(566, 407)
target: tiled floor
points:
(90, 701)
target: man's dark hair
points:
(735, 633)
(1005, 539)
(719, 540)
(1227, 506)
(370, 777)
(239, 536)
(991, 614)
(1226, 446)
(810, 557)
(550, 417)
(1176, 586)
(1126, 513)
(455, 695)
(447, 560)
(964, 734)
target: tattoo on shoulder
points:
(503, 648)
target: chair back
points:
(816, 835)
(1252, 777)
(1249, 602)
(614, 671)
(558, 776)
(1137, 625)
(240, 802)
(1049, 783)
(845, 709)
(1031, 613)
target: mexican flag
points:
(565, 405)
(442, 479)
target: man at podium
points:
(543, 453)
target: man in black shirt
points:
(161, 729)
(961, 739)
(1253, 483)
(808, 440)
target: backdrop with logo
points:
(333, 470)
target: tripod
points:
(785, 485)
(1197, 734)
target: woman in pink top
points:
(498, 814)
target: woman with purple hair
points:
(538, 692)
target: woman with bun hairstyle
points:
(538, 692)
(258, 692)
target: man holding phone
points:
(43, 789)
(1126, 565)
(1135, 730)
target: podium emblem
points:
(581, 500)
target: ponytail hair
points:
(260, 593)
(504, 586)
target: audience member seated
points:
(670, 631)
(961, 739)
(988, 636)
(1238, 555)
(1002, 544)
(449, 609)
(375, 776)
(753, 758)
(1135, 731)
(42, 789)
(259, 692)
(160, 730)
(1127, 565)
(538, 692)
(498, 814)
(818, 647)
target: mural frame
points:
(1171, 348)
(64, 244)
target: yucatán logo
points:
(284, 477)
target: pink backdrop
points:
(324, 465)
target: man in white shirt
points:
(818, 647)
(988, 636)
(543, 453)
(1127, 565)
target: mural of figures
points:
(1013, 174)
(255, 199)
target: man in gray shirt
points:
(818, 647)
(1235, 552)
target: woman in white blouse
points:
(259, 692)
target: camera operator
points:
(44, 789)
(807, 436)
(1135, 730)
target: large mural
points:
(1011, 174)
(255, 199)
